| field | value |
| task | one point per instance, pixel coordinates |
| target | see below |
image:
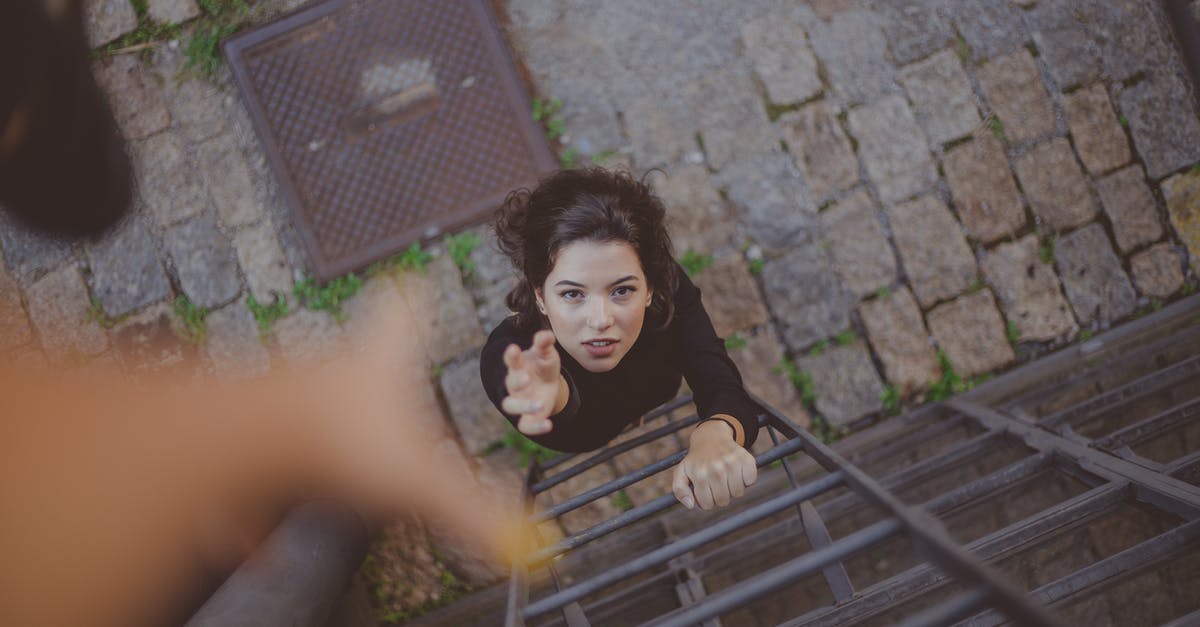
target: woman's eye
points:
(572, 294)
(624, 290)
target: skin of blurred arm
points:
(111, 490)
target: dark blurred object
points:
(63, 168)
(1187, 36)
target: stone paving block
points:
(782, 58)
(1166, 130)
(971, 333)
(805, 296)
(731, 118)
(233, 344)
(1182, 193)
(1064, 40)
(1014, 89)
(820, 148)
(990, 28)
(696, 216)
(136, 101)
(1126, 51)
(983, 189)
(27, 251)
(915, 28)
(464, 556)
(846, 383)
(149, 342)
(197, 104)
(58, 306)
(941, 93)
(1098, 135)
(170, 184)
(443, 310)
(14, 323)
(826, 9)
(660, 134)
(897, 333)
(494, 279)
(1092, 276)
(172, 11)
(266, 267)
(758, 363)
(731, 296)
(853, 52)
(106, 20)
(126, 271)
(860, 249)
(227, 176)
(1130, 207)
(774, 206)
(204, 262)
(936, 258)
(1054, 185)
(479, 423)
(309, 336)
(892, 148)
(1028, 290)
(1157, 271)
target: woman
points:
(605, 325)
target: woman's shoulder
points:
(509, 332)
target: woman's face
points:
(596, 298)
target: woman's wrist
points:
(732, 428)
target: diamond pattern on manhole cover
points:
(387, 121)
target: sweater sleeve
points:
(700, 355)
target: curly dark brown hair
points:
(586, 204)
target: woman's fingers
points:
(522, 406)
(682, 487)
(703, 490)
(512, 357)
(733, 480)
(749, 469)
(532, 425)
(516, 380)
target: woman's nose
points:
(600, 315)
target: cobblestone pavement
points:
(893, 194)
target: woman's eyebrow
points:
(622, 280)
(614, 283)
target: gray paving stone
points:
(1157, 271)
(443, 309)
(825, 9)
(1092, 276)
(197, 104)
(892, 148)
(983, 189)
(697, 217)
(1126, 51)
(990, 28)
(897, 333)
(262, 260)
(309, 336)
(731, 296)
(27, 251)
(170, 184)
(1028, 290)
(106, 20)
(805, 296)
(941, 94)
(915, 28)
(1182, 193)
(935, 255)
(774, 207)
(172, 11)
(58, 306)
(233, 345)
(971, 333)
(758, 362)
(1064, 41)
(853, 53)
(659, 134)
(227, 176)
(1054, 185)
(1130, 207)
(479, 423)
(126, 271)
(1165, 126)
(1014, 89)
(820, 148)
(846, 383)
(493, 280)
(136, 101)
(204, 262)
(14, 323)
(782, 58)
(860, 249)
(1098, 135)
(731, 118)
(149, 342)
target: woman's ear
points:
(649, 298)
(537, 297)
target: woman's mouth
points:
(600, 348)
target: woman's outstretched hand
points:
(716, 469)
(536, 388)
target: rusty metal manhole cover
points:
(387, 121)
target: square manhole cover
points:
(387, 121)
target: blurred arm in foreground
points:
(112, 493)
